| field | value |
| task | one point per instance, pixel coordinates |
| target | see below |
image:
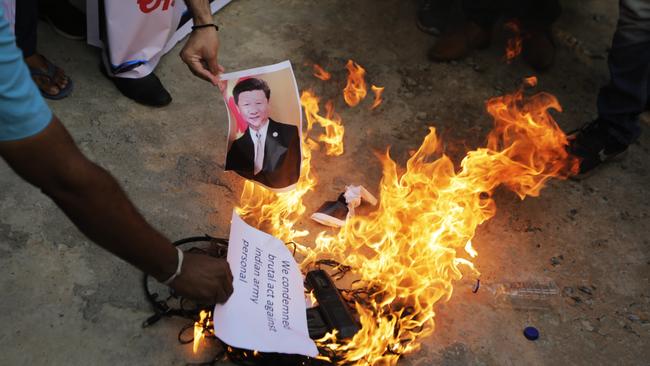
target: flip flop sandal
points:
(51, 74)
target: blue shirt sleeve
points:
(23, 112)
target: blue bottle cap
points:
(531, 333)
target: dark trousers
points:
(26, 25)
(625, 97)
(531, 14)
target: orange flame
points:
(310, 299)
(333, 137)
(356, 89)
(378, 90)
(320, 73)
(514, 44)
(410, 250)
(199, 329)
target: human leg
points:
(66, 19)
(625, 96)
(622, 100)
(131, 75)
(50, 79)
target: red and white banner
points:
(136, 33)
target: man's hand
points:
(204, 279)
(200, 54)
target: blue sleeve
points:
(23, 112)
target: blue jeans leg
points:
(622, 100)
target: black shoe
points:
(594, 145)
(65, 18)
(433, 15)
(147, 90)
(332, 213)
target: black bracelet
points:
(195, 27)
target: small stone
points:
(576, 299)
(633, 317)
(573, 212)
(586, 290)
(555, 261)
(429, 88)
(421, 115)
(586, 325)
(409, 95)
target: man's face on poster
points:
(254, 107)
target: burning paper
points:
(265, 125)
(266, 311)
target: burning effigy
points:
(405, 256)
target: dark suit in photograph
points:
(282, 158)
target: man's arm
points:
(94, 201)
(201, 50)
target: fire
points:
(310, 299)
(514, 44)
(378, 90)
(356, 89)
(199, 329)
(320, 73)
(333, 137)
(408, 252)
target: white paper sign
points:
(266, 311)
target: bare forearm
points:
(90, 197)
(200, 10)
(94, 201)
(101, 210)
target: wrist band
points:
(178, 268)
(195, 27)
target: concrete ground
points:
(65, 301)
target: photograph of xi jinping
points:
(267, 151)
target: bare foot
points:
(48, 85)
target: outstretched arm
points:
(94, 201)
(201, 50)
